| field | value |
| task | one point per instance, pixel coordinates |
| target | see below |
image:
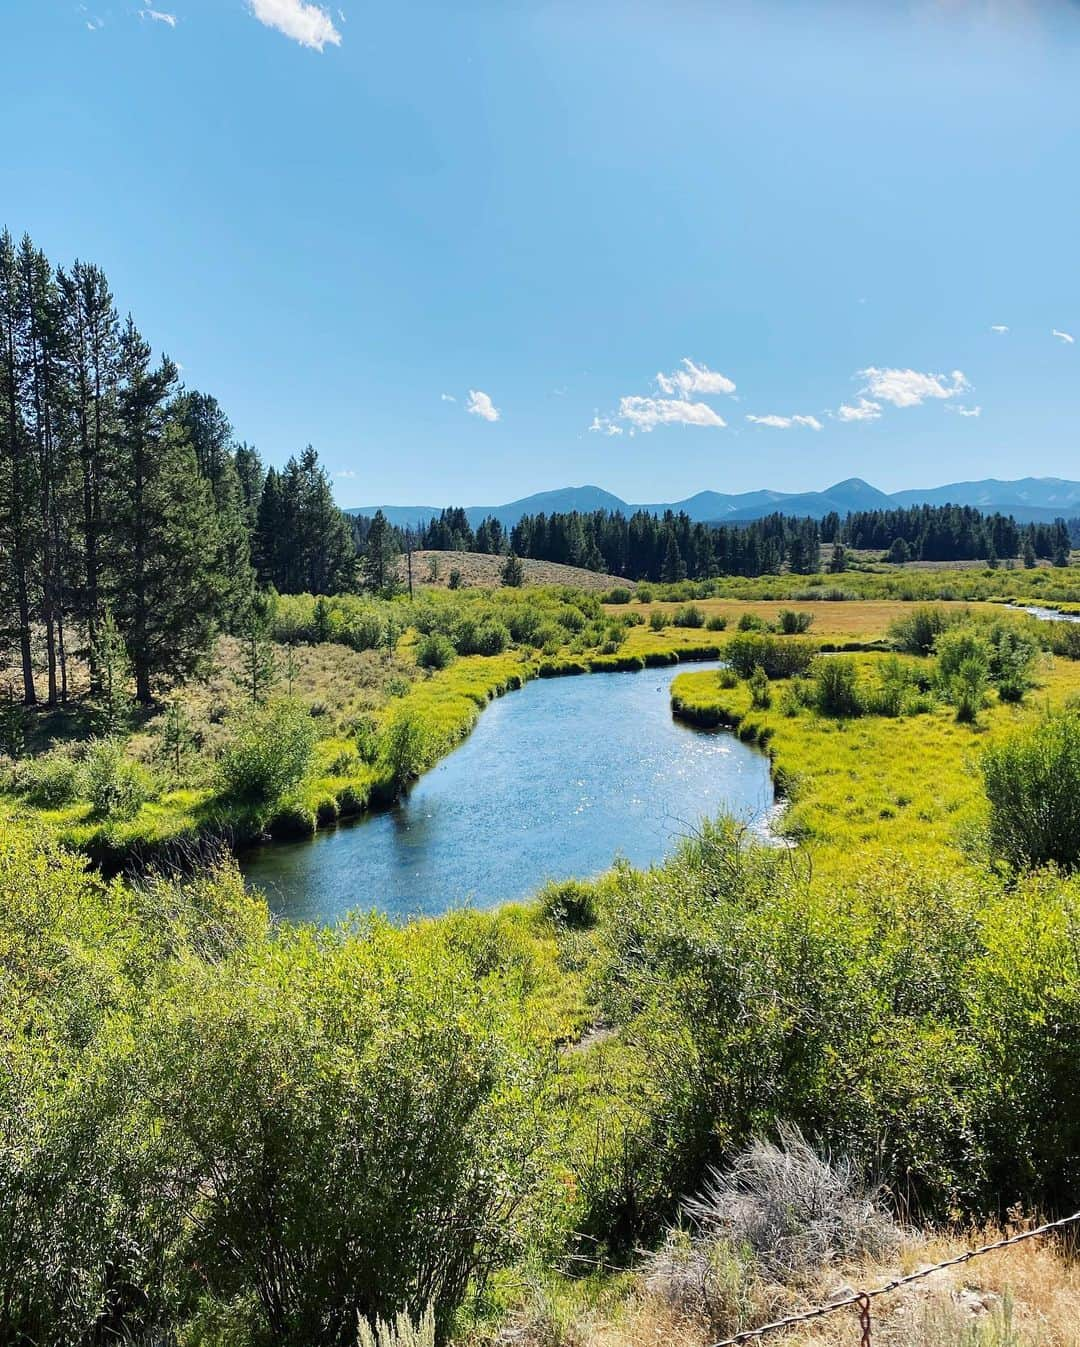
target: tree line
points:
(671, 547)
(128, 513)
(947, 533)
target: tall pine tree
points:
(165, 589)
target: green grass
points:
(871, 783)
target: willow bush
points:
(1032, 782)
(269, 753)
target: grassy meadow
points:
(908, 784)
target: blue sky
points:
(475, 250)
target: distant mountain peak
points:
(1029, 499)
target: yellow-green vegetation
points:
(894, 767)
(220, 1133)
(380, 690)
(1049, 586)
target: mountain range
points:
(1029, 500)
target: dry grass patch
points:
(481, 570)
(852, 620)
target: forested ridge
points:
(671, 547)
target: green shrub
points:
(364, 1109)
(270, 752)
(957, 644)
(1012, 659)
(570, 904)
(716, 623)
(792, 623)
(758, 683)
(435, 651)
(1032, 782)
(967, 689)
(407, 746)
(116, 787)
(690, 615)
(657, 620)
(917, 631)
(1063, 639)
(487, 637)
(890, 694)
(752, 622)
(49, 782)
(836, 686)
(779, 658)
(619, 594)
(796, 696)
(644, 594)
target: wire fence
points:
(862, 1299)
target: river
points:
(557, 780)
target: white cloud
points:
(909, 388)
(94, 24)
(603, 425)
(158, 16)
(447, 397)
(479, 404)
(968, 411)
(999, 328)
(863, 410)
(307, 24)
(346, 472)
(694, 379)
(786, 422)
(647, 413)
(1066, 337)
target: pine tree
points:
(12, 723)
(303, 542)
(270, 539)
(251, 476)
(512, 572)
(379, 564)
(18, 465)
(111, 700)
(176, 735)
(258, 664)
(674, 567)
(91, 349)
(208, 430)
(42, 353)
(165, 590)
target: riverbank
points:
(442, 706)
(558, 782)
(872, 783)
(360, 696)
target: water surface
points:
(1045, 614)
(556, 780)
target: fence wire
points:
(863, 1299)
